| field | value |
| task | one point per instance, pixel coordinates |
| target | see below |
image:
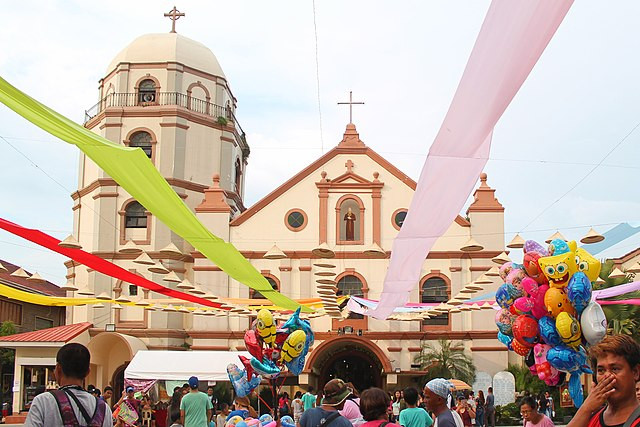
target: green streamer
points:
(134, 172)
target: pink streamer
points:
(615, 291)
(512, 38)
(632, 301)
(140, 385)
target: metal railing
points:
(159, 99)
(150, 99)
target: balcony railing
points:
(169, 98)
(159, 98)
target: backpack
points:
(67, 414)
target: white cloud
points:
(404, 60)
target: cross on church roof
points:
(174, 15)
(351, 103)
(349, 165)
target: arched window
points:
(142, 139)
(238, 179)
(351, 285)
(435, 290)
(272, 282)
(147, 91)
(135, 216)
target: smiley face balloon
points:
(558, 268)
(587, 264)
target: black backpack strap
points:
(634, 416)
(329, 419)
(384, 424)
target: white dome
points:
(169, 47)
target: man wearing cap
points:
(436, 393)
(131, 412)
(195, 407)
(327, 415)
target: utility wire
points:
(315, 31)
(67, 191)
(614, 148)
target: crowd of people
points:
(614, 400)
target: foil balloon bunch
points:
(546, 313)
(274, 348)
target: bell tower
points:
(167, 95)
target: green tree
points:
(447, 360)
(622, 318)
(7, 355)
(525, 381)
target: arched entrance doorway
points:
(117, 381)
(351, 358)
(354, 366)
(111, 352)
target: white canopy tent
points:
(180, 365)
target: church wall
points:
(488, 229)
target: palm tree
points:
(525, 381)
(623, 318)
(447, 360)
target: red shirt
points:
(598, 421)
(376, 423)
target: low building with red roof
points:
(43, 325)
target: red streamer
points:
(98, 264)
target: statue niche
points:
(349, 216)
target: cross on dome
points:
(174, 15)
(351, 103)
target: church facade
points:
(168, 95)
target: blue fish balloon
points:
(266, 367)
(573, 361)
(293, 324)
(548, 331)
(238, 378)
(579, 291)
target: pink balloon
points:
(546, 372)
(523, 305)
(539, 310)
(536, 294)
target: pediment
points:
(350, 178)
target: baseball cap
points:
(193, 382)
(129, 389)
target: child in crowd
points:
(221, 419)
(414, 416)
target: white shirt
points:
(44, 410)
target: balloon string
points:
(281, 384)
(265, 403)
